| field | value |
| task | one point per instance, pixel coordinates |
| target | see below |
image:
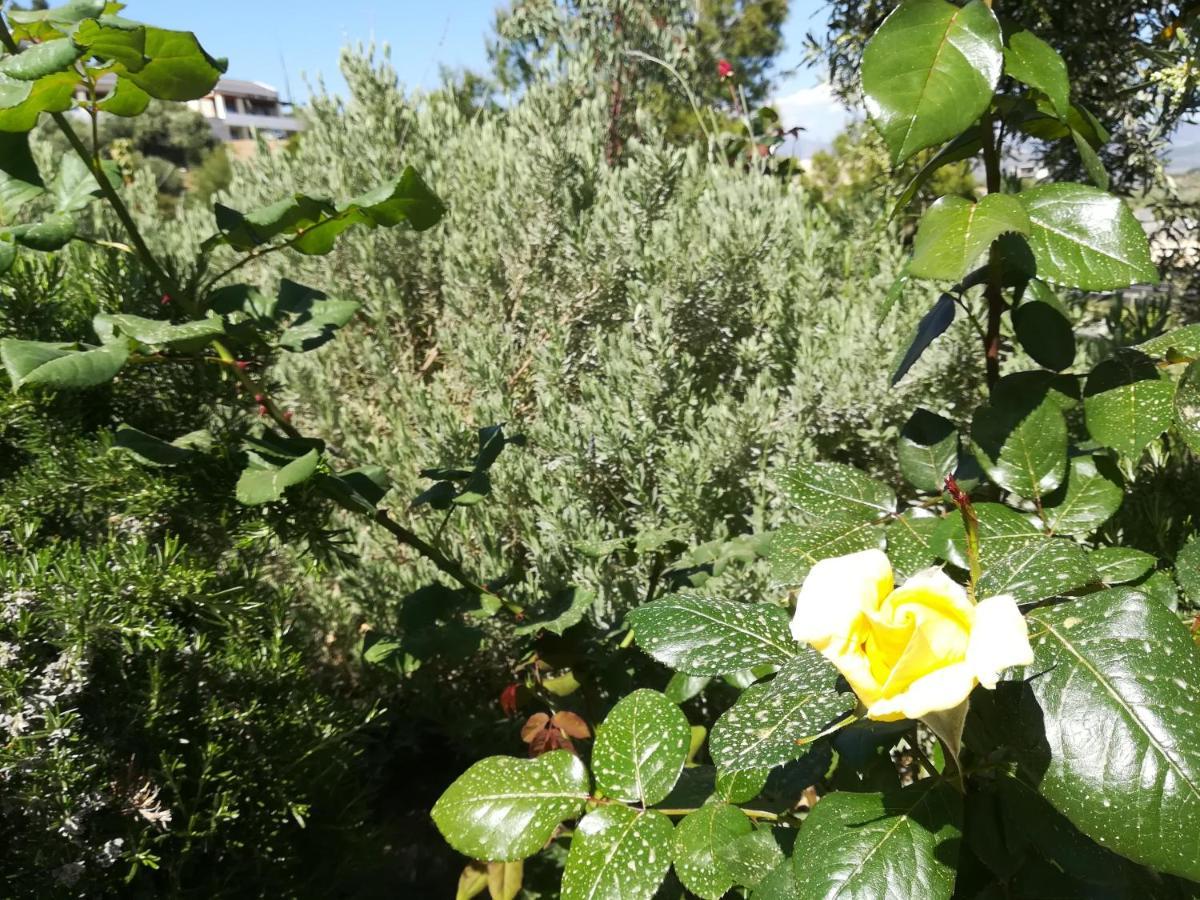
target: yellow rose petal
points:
(836, 592)
(1000, 639)
(940, 689)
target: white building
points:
(244, 110)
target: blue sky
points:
(258, 36)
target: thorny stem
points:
(994, 292)
(91, 158)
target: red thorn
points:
(263, 411)
(242, 364)
(166, 298)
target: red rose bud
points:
(508, 700)
(724, 69)
(166, 298)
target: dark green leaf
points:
(1001, 531)
(1187, 407)
(20, 180)
(966, 145)
(1031, 387)
(54, 93)
(157, 333)
(1104, 725)
(928, 450)
(265, 485)
(704, 636)
(867, 845)
(929, 72)
(751, 857)
(909, 541)
(1180, 343)
(832, 492)
(8, 252)
(771, 723)
(1092, 493)
(1091, 161)
(39, 60)
(1022, 447)
(1033, 62)
(618, 853)
(176, 66)
(741, 786)
(682, 688)
(894, 295)
(53, 233)
(1120, 565)
(1039, 570)
(956, 232)
(640, 748)
(152, 451)
(795, 549)
(1127, 403)
(75, 186)
(114, 39)
(1187, 571)
(932, 326)
(1044, 329)
(699, 839)
(358, 490)
(126, 100)
(505, 809)
(1085, 238)
(782, 883)
(318, 324)
(566, 610)
(60, 366)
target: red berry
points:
(724, 69)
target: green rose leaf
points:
(641, 748)
(39, 60)
(1002, 531)
(1085, 238)
(770, 723)
(751, 857)
(75, 186)
(928, 450)
(1022, 447)
(175, 65)
(114, 39)
(965, 146)
(1179, 344)
(8, 252)
(741, 786)
(618, 853)
(51, 234)
(1187, 571)
(1039, 570)
(703, 636)
(1092, 494)
(1104, 725)
(782, 883)
(832, 492)
(505, 809)
(61, 366)
(795, 549)
(1043, 328)
(265, 484)
(699, 840)
(318, 324)
(1091, 161)
(910, 541)
(864, 845)
(932, 326)
(1031, 387)
(358, 490)
(682, 688)
(929, 72)
(956, 232)
(1033, 62)
(54, 93)
(1120, 565)
(43, 24)
(1127, 403)
(152, 451)
(157, 333)
(1187, 407)
(126, 100)
(20, 180)
(565, 610)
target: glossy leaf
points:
(1039, 570)
(176, 66)
(74, 187)
(833, 492)
(928, 450)
(1031, 387)
(781, 883)
(741, 786)
(618, 853)
(751, 857)
(929, 72)
(682, 688)
(61, 366)
(1091, 495)
(152, 451)
(261, 484)
(114, 39)
(1044, 329)
(318, 325)
(504, 809)
(54, 93)
(566, 610)
(1187, 407)
(1187, 571)
(157, 333)
(39, 60)
(704, 636)
(640, 748)
(1085, 238)
(1127, 403)
(770, 723)
(1091, 161)
(1033, 62)
(359, 490)
(910, 541)
(965, 146)
(699, 840)
(795, 549)
(867, 845)
(1022, 447)
(126, 100)
(1002, 531)
(956, 232)
(1120, 565)
(52, 233)
(1179, 343)
(932, 326)
(1106, 728)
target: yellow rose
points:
(911, 650)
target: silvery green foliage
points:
(668, 334)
